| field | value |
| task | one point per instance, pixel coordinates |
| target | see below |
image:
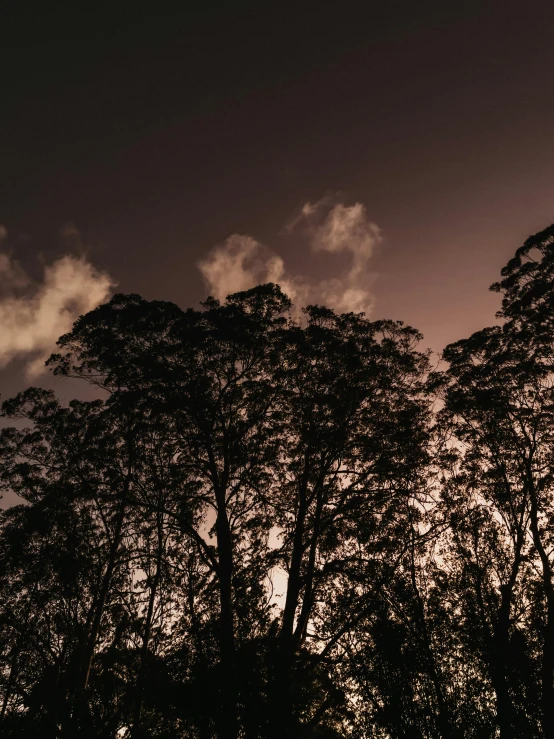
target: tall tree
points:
(354, 451)
(208, 375)
(498, 403)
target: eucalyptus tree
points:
(311, 432)
(73, 463)
(44, 560)
(498, 394)
(234, 446)
(400, 656)
(351, 469)
(87, 473)
(208, 376)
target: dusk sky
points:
(383, 156)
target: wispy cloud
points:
(34, 315)
(239, 263)
(325, 226)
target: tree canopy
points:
(267, 526)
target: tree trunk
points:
(142, 671)
(228, 720)
(283, 723)
(307, 600)
(11, 679)
(443, 719)
(501, 638)
(80, 719)
(547, 666)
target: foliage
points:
(267, 527)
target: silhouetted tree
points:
(275, 527)
(348, 475)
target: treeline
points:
(275, 528)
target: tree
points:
(498, 404)
(314, 434)
(404, 518)
(207, 374)
(348, 472)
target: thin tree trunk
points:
(547, 666)
(501, 638)
(228, 724)
(104, 590)
(282, 700)
(497, 672)
(295, 568)
(11, 679)
(142, 671)
(80, 719)
(307, 600)
(443, 720)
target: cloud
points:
(348, 229)
(242, 262)
(12, 276)
(238, 264)
(33, 316)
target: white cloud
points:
(239, 263)
(31, 321)
(348, 229)
(242, 262)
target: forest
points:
(260, 525)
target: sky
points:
(379, 156)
